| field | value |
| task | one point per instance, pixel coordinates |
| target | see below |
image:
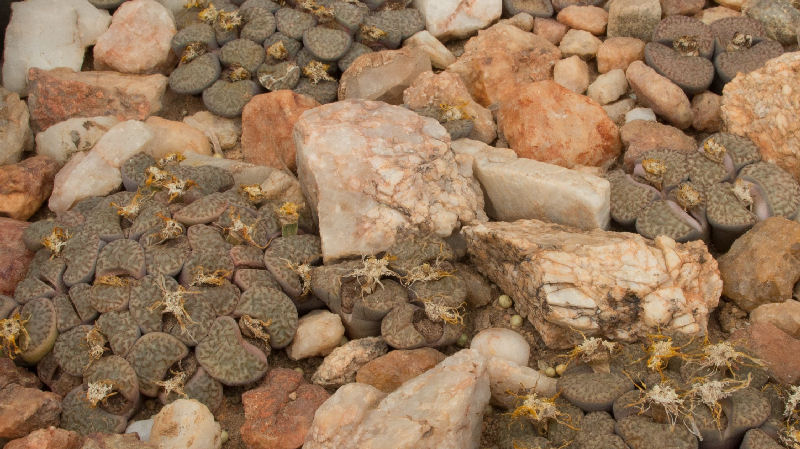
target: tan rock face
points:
(370, 170)
(26, 185)
(23, 410)
(586, 18)
(59, 94)
(549, 29)
(619, 53)
(639, 136)
(447, 88)
(706, 110)
(761, 266)
(15, 131)
(14, 256)
(711, 15)
(383, 75)
(138, 40)
(500, 59)
(580, 43)
(615, 285)
(170, 136)
(761, 105)
(660, 94)
(275, 420)
(267, 123)
(549, 123)
(572, 73)
(388, 372)
(777, 349)
(783, 315)
(50, 438)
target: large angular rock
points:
(370, 170)
(387, 373)
(519, 188)
(26, 185)
(138, 40)
(267, 123)
(761, 105)
(615, 285)
(383, 75)
(15, 129)
(431, 90)
(500, 59)
(49, 34)
(66, 138)
(549, 123)
(96, 172)
(456, 19)
(14, 256)
(23, 410)
(778, 350)
(761, 266)
(60, 94)
(440, 409)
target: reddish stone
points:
(26, 185)
(500, 59)
(50, 438)
(13, 374)
(267, 123)
(14, 257)
(23, 410)
(779, 351)
(59, 94)
(279, 413)
(549, 123)
(388, 372)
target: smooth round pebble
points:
(503, 343)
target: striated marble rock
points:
(138, 40)
(66, 138)
(549, 123)
(370, 170)
(441, 57)
(456, 19)
(761, 266)
(640, 136)
(518, 188)
(660, 94)
(267, 123)
(278, 414)
(762, 105)
(47, 34)
(500, 59)
(225, 131)
(185, 424)
(26, 185)
(14, 256)
(341, 365)
(60, 94)
(383, 75)
(170, 136)
(96, 172)
(15, 130)
(388, 372)
(447, 88)
(441, 408)
(615, 285)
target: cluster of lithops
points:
(667, 393)
(230, 53)
(174, 287)
(414, 294)
(719, 192)
(694, 55)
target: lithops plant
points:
(80, 415)
(227, 357)
(741, 46)
(593, 392)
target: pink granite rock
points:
(549, 123)
(138, 40)
(59, 94)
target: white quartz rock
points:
(439, 409)
(502, 343)
(506, 376)
(424, 41)
(49, 34)
(317, 334)
(185, 424)
(455, 19)
(517, 188)
(63, 139)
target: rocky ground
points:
(339, 224)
